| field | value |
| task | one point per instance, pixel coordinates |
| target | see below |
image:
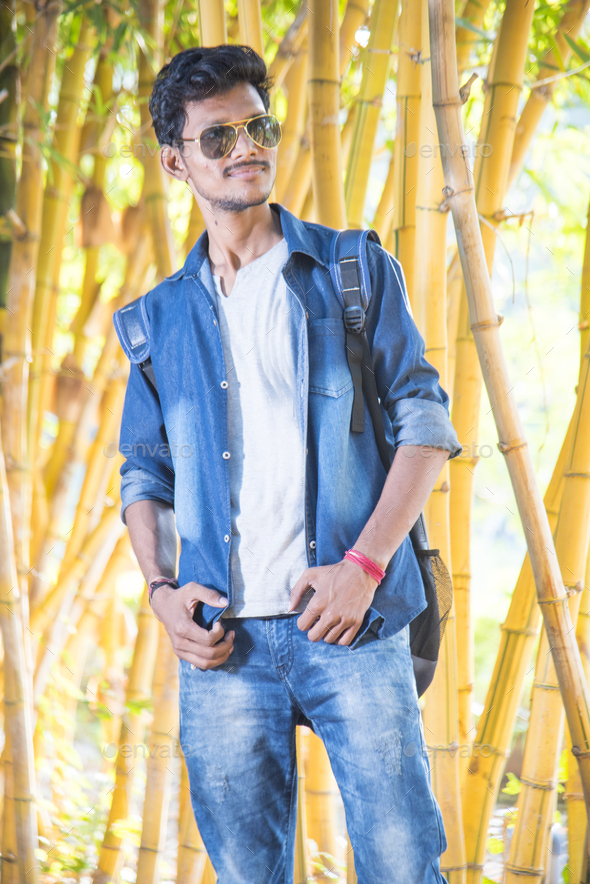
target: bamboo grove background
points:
(93, 785)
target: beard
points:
(233, 204)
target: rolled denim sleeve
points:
(148, 472)
(407, 383)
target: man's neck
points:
(238, 238)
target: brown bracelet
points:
(162, 581)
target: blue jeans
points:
(237, 732)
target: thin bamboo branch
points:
(354, 17)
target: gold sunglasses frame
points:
(236, 126)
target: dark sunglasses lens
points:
(265, 131)
(217, 141)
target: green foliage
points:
(513, 786)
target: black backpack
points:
(349, 272)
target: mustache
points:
(258, 163)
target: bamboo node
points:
(506, 448)
(553, 601)
(580, 753)
(485, 323)
(570, 473)
(583, 325)
(520, 870)
(537, 784)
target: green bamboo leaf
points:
(581, 53)
(469, 26)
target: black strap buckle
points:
(354, 319)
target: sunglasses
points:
(217, 141)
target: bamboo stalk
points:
(250, 19)
(55, 207)
(192, 855)
(324, 108)
(548, 581)
(383, 219)
(289, 47)
(300, 180)
(406, 140)
(474, 12)
(295, 85)
(25, 248)
(8, 137)
(489, 176)
(103, 79)
(20, 770)
(319, 785)
(161, 745)
(354, 17)
(368, 108)
(571, 22)
(301, 845)
(212, 26)
(441, 715)
(139, 690)
(574, 796)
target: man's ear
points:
(172, 162)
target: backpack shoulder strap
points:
(349, 271)
(133, 330)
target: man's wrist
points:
(161, 582)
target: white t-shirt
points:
(267, 455)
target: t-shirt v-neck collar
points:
(254, 265)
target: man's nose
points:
(244, 146)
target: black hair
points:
(199, 73)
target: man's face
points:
(244, 177)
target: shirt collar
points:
(300, 237)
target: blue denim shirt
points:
(176, 444)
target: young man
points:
(246, 450)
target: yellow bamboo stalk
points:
(354, 16)
(490, 176)
(548, 579)
(16, 337)
(192, 855)
(319, 786)
(139, 689)
(574, 796)
(212, 27)
(21, 810)
(454, 287)
(151, 12)
(324, 109)
(55, 207)
(351, 877)
(250, 19)
(90, 288)
(517, 638)
(544, 735)
(570, 24)
(196, 226)
(8, 137)
(300, 180)
(9, 865)
(474, 11)
(288, 47)
(161, 745)
(406, 140)
(441, 715)
(295, 85)
(383, 220)
(98, 464)
(368, 108)
(301, 846)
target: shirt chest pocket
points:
(328, 367)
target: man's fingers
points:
(199, 593)
(300, 588)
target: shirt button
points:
(226, 538)
(224, 385)
(226, 455)
(312, 544)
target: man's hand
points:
(343, 594)
(204, 648)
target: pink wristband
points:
(371, 568)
